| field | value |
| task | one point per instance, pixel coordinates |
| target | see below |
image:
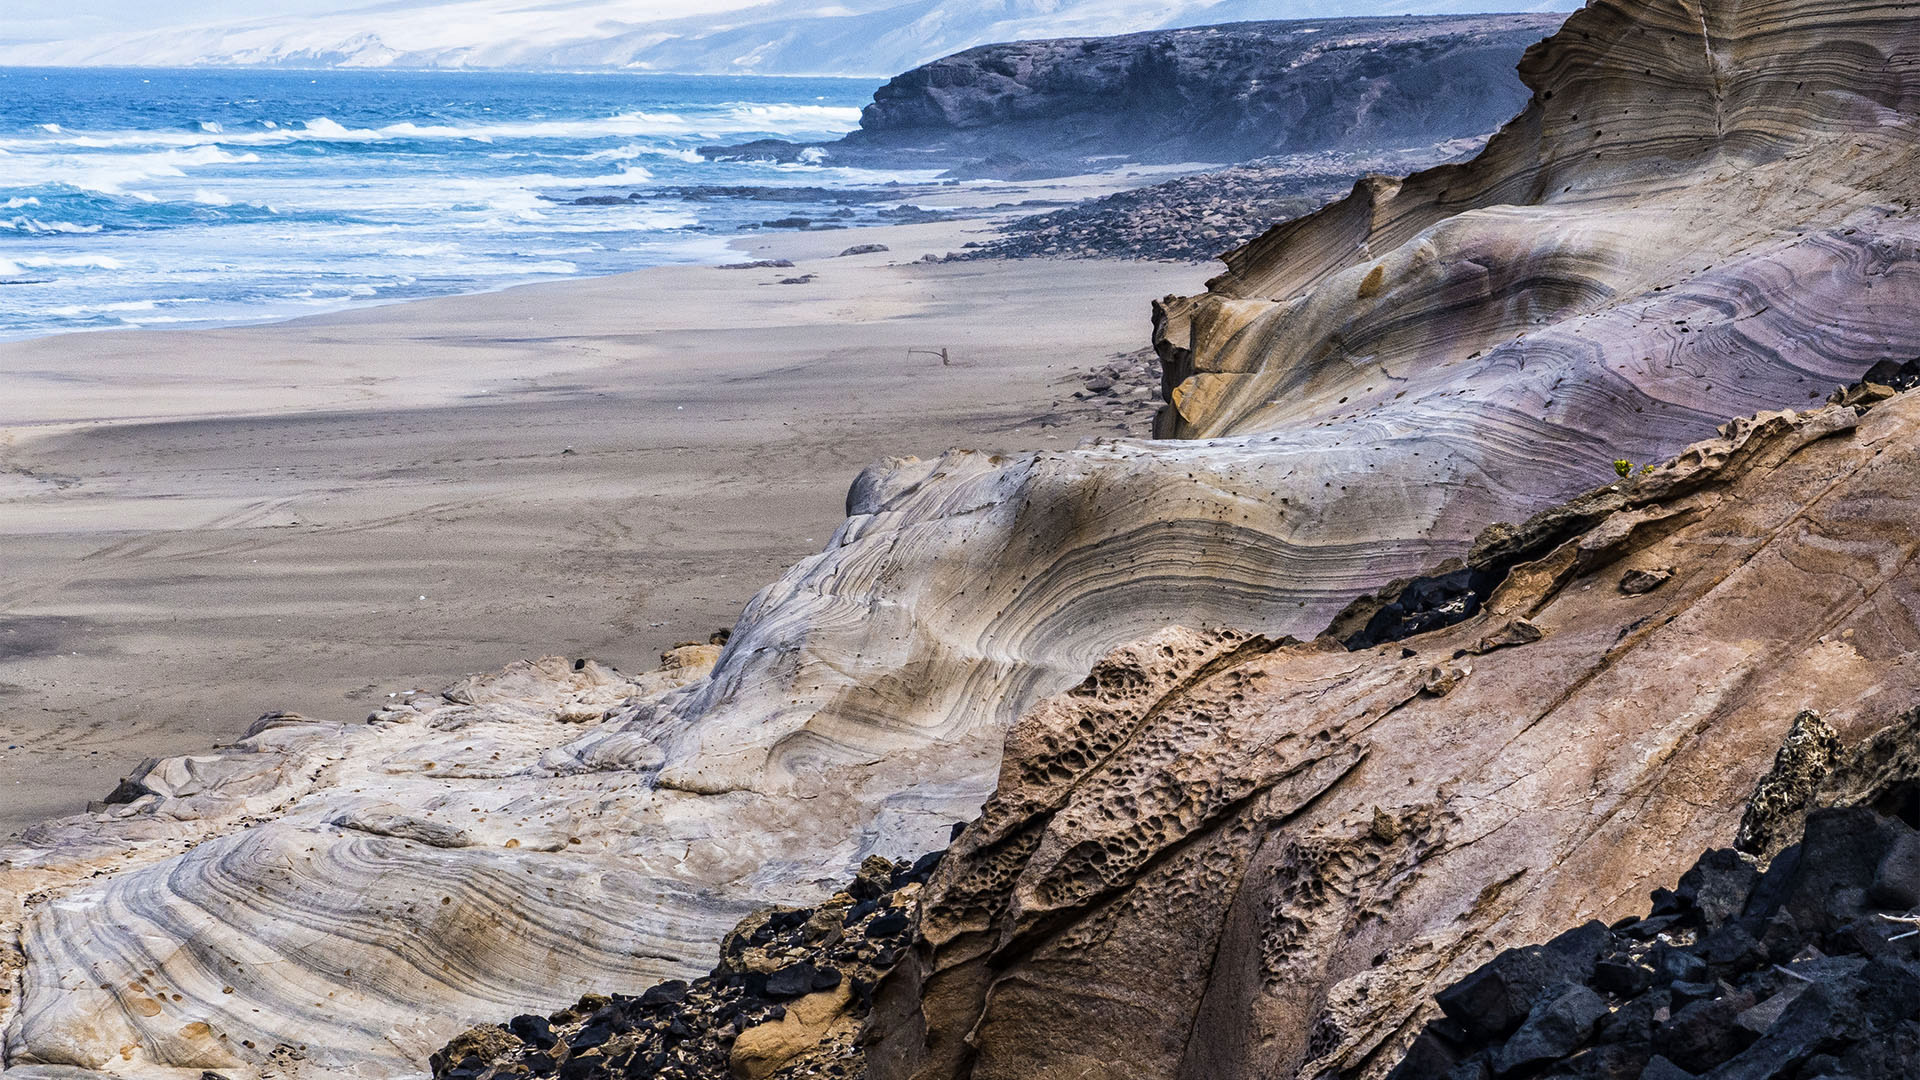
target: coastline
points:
(386, 502)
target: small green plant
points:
(1623, 467)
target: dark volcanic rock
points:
(1499, 997)
(1217, 93)
(1197, 217)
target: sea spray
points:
(199, 197)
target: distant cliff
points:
(1217, 93)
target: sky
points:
(40, 20)
(28, 20)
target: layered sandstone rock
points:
(1411, 383)
(327, 900)
(786, 1002)
(1230, 856)
(1368, 389)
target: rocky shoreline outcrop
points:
(1194, 218)
(1218, 94)
(1232, 855)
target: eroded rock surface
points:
(1803, 965)
(1368, 388)
(1229, 856)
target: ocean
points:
(169, 198)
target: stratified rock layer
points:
(1226, 856)
(1367, 388)
(1693, 191)
(786, 1002)
(328, 900)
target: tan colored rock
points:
(763, 1050)
(1647, 250)
(1261, 859)
(487, 1041)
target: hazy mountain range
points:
(849, 37)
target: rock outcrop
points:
(1193, 218)
(1807, 966)
(1217, 93)
(1704, 212)
(1401, 392)
(788, 1000)
(1685, 177)
(327, 900)
(1231, 856)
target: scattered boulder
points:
(759, 1052)
(1556, 1026)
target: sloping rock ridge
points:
(1229, 856)
(1731, 231)
(1217, 94)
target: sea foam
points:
(276, 192)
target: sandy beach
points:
(202, 526)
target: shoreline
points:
(988, 204)
(312, 514)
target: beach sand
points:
(202, 526)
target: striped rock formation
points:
(1225, 856)
(1703, 212)
(1728, 230)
